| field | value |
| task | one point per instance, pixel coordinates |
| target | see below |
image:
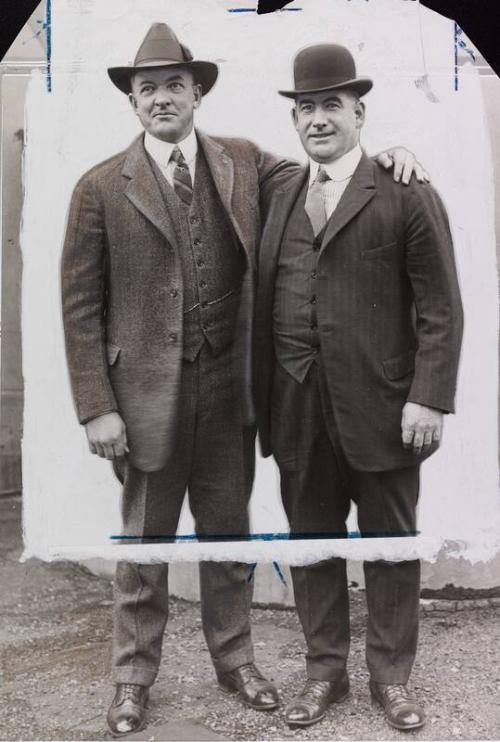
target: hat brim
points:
(361, 85)
(205, 73)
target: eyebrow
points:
(174, 78)
(325, 100)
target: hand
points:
(106, 436)
(421, 426)
(404, 163)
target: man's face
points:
(328, 123)
(164, 100)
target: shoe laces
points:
(397, 693)
(315, 689)
(250, 672)
(129, 692)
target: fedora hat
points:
(162, 48)
(325, 67)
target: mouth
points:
(321, 136)
(164, 115)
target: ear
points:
(359, 112)
(133, 102)
(198, 94)
(294, 116)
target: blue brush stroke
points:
(456, 32)
(266, 536)
(254, 10)
(48, 36)
(279, 572)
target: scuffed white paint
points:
(71, 500)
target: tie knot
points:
(177, 157)
(322, 176)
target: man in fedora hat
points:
(358, 333)
(158, 276)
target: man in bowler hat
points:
(358, 334)
(158, 275)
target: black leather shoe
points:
(251, 686)
(127, 712)
(401, 709)
(311, 704)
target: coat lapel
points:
(358, 193)
(221, 167)
(275, 223)
(143, 190)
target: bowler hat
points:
(325, 67)
(162, 48)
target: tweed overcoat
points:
(388, 306)
(122, 292)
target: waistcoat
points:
(212, 262)
(295, 322)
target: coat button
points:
(312, 300)
(203, 285)
(172, 336)
(173, 293)
(196, 241)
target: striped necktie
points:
(183, 185)
(315, 202)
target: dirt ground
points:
(55, 628)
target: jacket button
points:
(312, 300)
(200, 262)
(203, 285)
(173, 293)
(196, 241)
(172, 336)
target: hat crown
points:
(323, 65)
(161, 43)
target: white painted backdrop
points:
(71, 498)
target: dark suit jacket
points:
(122, 289)
(389, 310)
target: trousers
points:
(317, 487)
(214, 461)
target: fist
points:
(421, 426)
(106, 436)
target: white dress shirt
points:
(161, 151)
(340, 173)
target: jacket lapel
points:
(358, 193)
(221, 167)
(143, 190)
(275, 223)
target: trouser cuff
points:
(391, 676)
(136, 675)
(318, 671)
(233, 660)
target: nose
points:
(162, 96)
(319, 121)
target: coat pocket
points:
(378, 252)
(112, 353)
(399, 366)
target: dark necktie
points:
(315, 202)
(183, 185)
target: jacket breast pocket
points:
(112, 353)
(400, 365)
(379, 252)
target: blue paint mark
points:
(48, 36)
(279, 572)
(173, 538)
(456, 32)
(252, 571)
(254, 10)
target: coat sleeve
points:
(430, 264)
(274, 172)
(83, 279)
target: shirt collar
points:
(161, 151)
(340, 169)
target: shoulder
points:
(101, 173)
(414, 193)
(237, 146)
